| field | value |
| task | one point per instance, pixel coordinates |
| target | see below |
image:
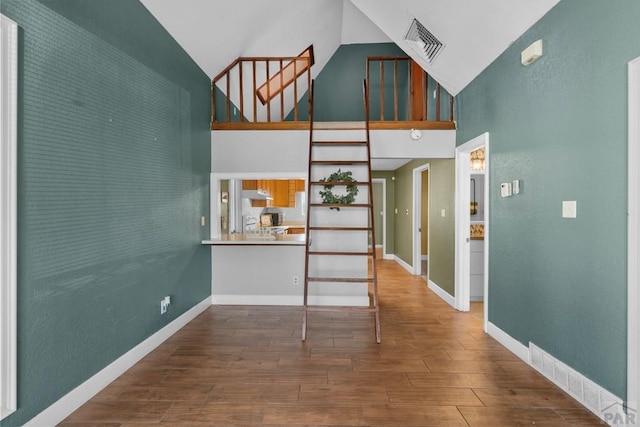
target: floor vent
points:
(598, 400)
(423, 41)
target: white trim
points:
(382, 181)
(290, 300)
(66, 405)
(391, 257)
(444, 295)
(417, 218)
(403, 263)
(633, 239)
(462, 227)
(424, 258)
(8, 214)
(592, 396)
(513, 345)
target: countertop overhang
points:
(257, 240)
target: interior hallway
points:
(247, 366)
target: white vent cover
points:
(423, 41)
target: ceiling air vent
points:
(425, 43)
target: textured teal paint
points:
(114, 149)
(560, 126)
(338, 87)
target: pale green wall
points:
(560, 126)
(441, 230)
(388, 175)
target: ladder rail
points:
(369, 228)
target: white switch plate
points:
(203, 221)
(443, 213)
(569, 209)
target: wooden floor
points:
(246, 366)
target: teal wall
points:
(114, 149)
(338, 87)
(560, 126)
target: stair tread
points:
(368, 253)
(369, 308)
(340, 205)
(347, 143)
(341, 279)
(340, 183)
(342, 228)
(340, 162)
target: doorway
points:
(463, 252)
(633, 239)
(421, 197)
(379, 186)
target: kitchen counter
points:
(257, 239)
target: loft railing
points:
(261, 90)
(265, 92)
(401, 93)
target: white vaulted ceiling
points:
(474, 32)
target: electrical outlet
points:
(296, 282)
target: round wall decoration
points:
(339, 177)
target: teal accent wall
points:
(338, 87)
(113, 176)
(560, 126)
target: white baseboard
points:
(389, 256)
(290, 300)
(66, 405)
(403, 264)
(603, 404)
(513, 345)
(598, 400)
(448, 298)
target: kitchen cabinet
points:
(283, 191)
(295, 230)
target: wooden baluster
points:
(295, 92)
(255, 88)
(282, 92)
(395, 90)
(425, 94)
(213, 102)
(268, 94)
(438, 102)
(381, 90)
(228, 96)
(451, 118)
(241, 93)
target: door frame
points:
(8, 216)
(417, 218)
(382, 181)
(633, 237)
(463, 222)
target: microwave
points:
(271, 219)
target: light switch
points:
(443, 213)
(569, 209)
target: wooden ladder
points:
(328, 234)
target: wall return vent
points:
(423, 41)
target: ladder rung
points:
(340, 183)
(341, 228)
(340, 205)
(342, 143)
(340, 162)
(368, 253)
(341, 279)
(368, 309)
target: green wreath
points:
(352, 190)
